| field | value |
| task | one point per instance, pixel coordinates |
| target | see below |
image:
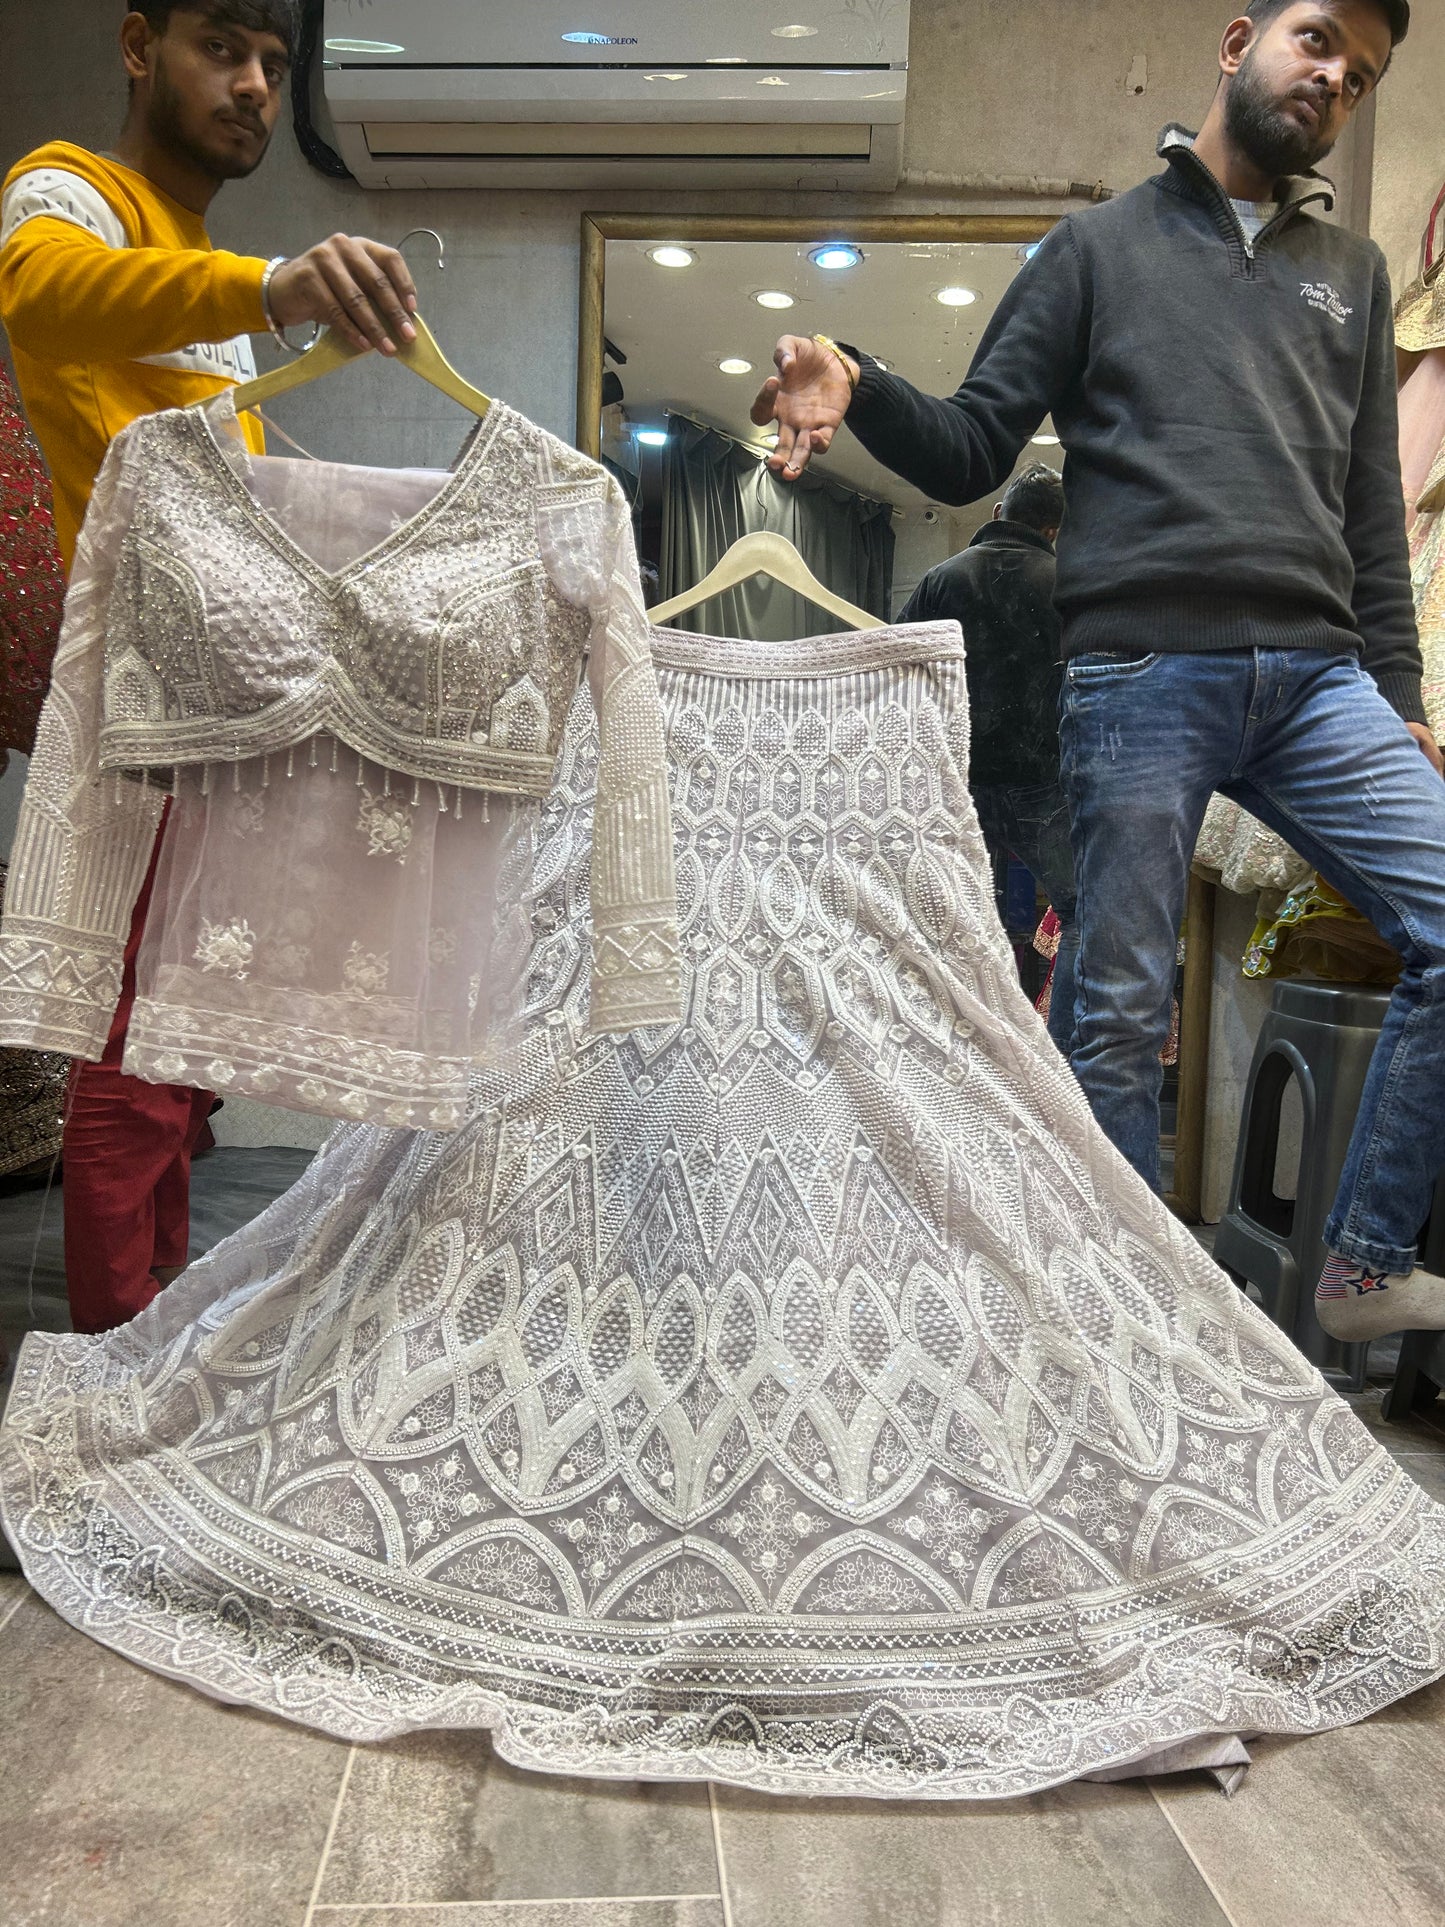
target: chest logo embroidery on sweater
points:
(1321, 295)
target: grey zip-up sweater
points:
(1228, 415)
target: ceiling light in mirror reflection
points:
(795, 33)
(772, 80)
(956, 297)
(664, 76)
(835, 256)
(676, 327)
(652, 437)
(364, 47)
(672, 257)
(735, 365)
(726, 60)
(773, 298)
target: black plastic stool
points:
(1322, 1036)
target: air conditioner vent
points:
(616, 140)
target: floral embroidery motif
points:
(338, 1515)
(769, 1525)
(606, 1533)
(507, 1571)
(289, 959)
(364, 972)
(387, 823)
(437, 1497)
(247, 814)
(229, 948)
(948, 1524)
(867, 1584)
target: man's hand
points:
(358, 287)
(807, 398)
(1428, 746)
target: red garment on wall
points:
(32, 585)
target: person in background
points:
(116, 305)
(1000, 591)
(1233, 580)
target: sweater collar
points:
(1188, 175)
(1006, 534)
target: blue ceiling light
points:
(596, 40)
(652, 437)
(834, 256)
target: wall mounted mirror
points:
(679, 317)
(678, 328)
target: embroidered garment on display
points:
(355, 680)
(32, 1103)
(804, 1395)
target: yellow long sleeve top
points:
(116, 305)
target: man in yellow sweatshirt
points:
(116, 305)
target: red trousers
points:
(127, 1170)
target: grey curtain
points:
(716, 490)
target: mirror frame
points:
(597, 230)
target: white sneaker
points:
(1356, 1305)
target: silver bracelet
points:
(279, 334)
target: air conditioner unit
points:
(640, 93)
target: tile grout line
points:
(719, 1857)
(542, 1900)
(330, 1837)
(1215, 1895)
(17, 1603)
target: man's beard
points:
(165, 123)
(1257, 123)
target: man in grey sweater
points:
(1232, 576)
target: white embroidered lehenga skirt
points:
(805, 1396)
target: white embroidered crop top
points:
(216, 615)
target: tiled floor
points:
(128, 1801)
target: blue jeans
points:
(1031, 822)
(1305, 741)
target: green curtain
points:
(716, 490)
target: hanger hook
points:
(441, 244)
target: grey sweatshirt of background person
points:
(1229, 419)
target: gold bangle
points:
(827, 341)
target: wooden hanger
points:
(772, 555)
(422, 356)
